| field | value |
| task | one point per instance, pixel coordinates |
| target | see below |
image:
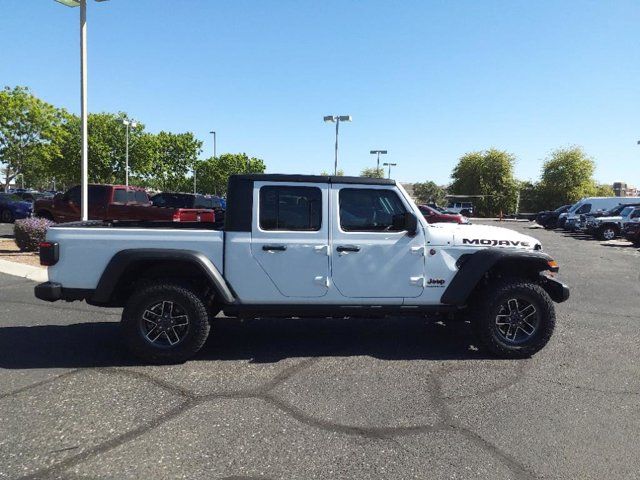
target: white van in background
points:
(594, 204)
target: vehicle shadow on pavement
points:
(98, 344)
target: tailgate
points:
(194, 215)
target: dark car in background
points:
(14, 207)
(632, 233)
(549, 218)
(192, 200)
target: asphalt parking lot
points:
(6, 230)
(327, 399)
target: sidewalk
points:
(36, 274)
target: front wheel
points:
(607, 232)
(6, 216)
(514, 319)
(165, 323)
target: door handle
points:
(274, 248)
(348, 248)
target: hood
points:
(609, 219)
(479, 236)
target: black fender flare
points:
(125, 258)
(472, 267)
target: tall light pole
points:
(337, 119)
(389, 165)
(195, 172)
(378, 152)
(128, 124)
(84, 189)
(21, 175)
(214, 143)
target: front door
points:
(372, 255)
(290, 236)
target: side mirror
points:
(410, 223)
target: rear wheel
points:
(514, 318)
(6, 216)
(607, 232)
(165, 323)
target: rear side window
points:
(290, 208)
(120, 195)
(370, 210)
(141, 197)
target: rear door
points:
(290, 236)
(371, 255)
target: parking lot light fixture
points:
(84, 151)
(378, 152)
(389, 165)
(128, 124)
(336, 119)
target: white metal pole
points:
(126, 157)
(335, 167)
(84, 195)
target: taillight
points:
(49, 253)
(176, 216)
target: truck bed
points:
(87, 247)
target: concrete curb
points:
(36, 274)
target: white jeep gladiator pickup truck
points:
(305, 246)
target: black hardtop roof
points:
(280, 177)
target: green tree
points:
(107, 144)
(604, 190)
(169, 158)
(29, 132)
(340, 173)
(567, 176)
(372, 172)
(429, 192)
(213, 173)
(488, 174)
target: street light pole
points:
(127, 123)
(389, 165)
(214, 143)
(337, 119)
(84, 150)
(379, 152)
(84, 175)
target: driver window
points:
(370, 210)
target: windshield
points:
(575, 207)
(626, 211)
(9, 197)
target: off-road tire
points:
(604, 230)
(486, 308)
(151, 294)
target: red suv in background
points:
(435, 216)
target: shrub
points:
(30, 232)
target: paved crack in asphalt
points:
(263, 392)
(41, 382)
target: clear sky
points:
(427, 80)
